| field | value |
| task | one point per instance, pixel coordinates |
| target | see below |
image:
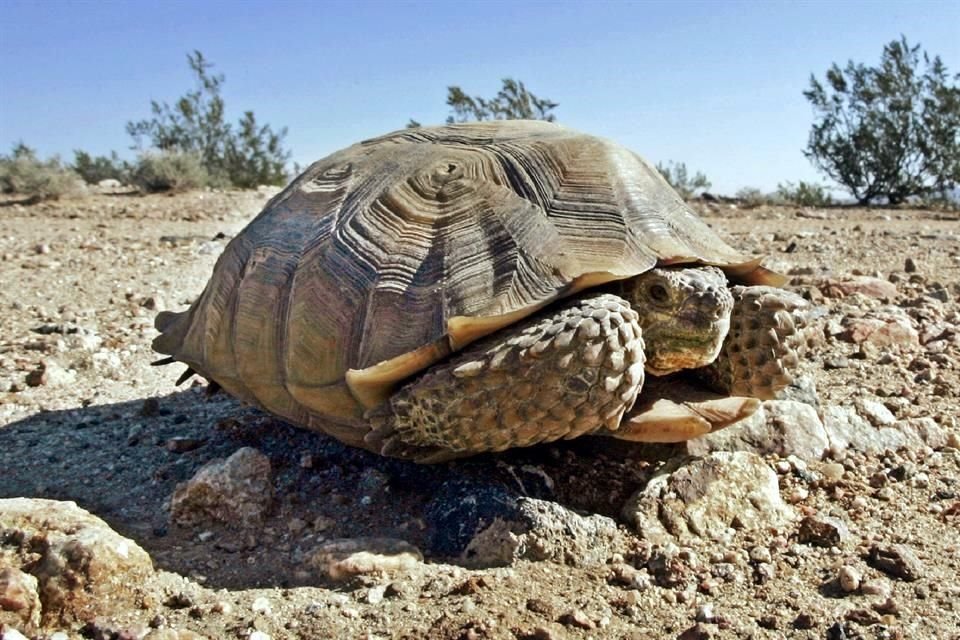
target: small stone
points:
(222, 607)
(375, 594)
(875, 587)
(760, 554)
(348, 557)
(236, 491)
(150, 408)
(769, 622)
(822, 531)
(848, 578)
(804, 621)
(696, 632)
(836, 362)
(832, 471)
(910, 265)
(887, 606)
(261, 605)
(705, 613)
(182, 444)
(896, 560)
(578, 619)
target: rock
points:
(344, 558)
(80, 568)
(540, 530)
(19, 599)
(875, 412)
(50, 374)
(864, 285)
(705, 497)
(887, 331)
(822, 531)
(781, 427)
(236, 491)
(183, 444)
(848, 578)
(846, 429)
(896, 560)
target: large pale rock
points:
(541, 530)
(882, 330)
(848, 429)
(346, 558)
(707, 498)
(79, 567)
(864, 285)
(781, 427)
(236, 491)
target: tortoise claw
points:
(185, 376)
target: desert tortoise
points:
(438, 292)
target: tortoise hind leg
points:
(564, 372)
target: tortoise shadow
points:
(115, 460)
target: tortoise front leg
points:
(761, 353)
(564, 372)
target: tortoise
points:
(438, 292)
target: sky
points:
(714, 84)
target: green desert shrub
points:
(23, 173)
(804, 194)
(750, 197)
(680, 179)
(169, 171)
(94, 169)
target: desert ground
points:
(835, 513)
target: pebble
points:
(848, 578)
(822, 531)
(875, 587)
(705, 613)
(897, 560)
(832, 471)
(375, 594)
(261, 605)
(804, 621)
(577, 618)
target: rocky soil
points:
(833, 513)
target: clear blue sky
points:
(714, 84)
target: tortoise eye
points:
(658, 293)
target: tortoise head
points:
(684, 313)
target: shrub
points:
(513, 102)
(889, 131)
(804, 194)
(750, 197)
(678, 177)
(155, 172)
(94, 169)
(245, 156)
(22, 173)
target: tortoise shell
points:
(387, 256)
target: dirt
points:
(84, 417)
